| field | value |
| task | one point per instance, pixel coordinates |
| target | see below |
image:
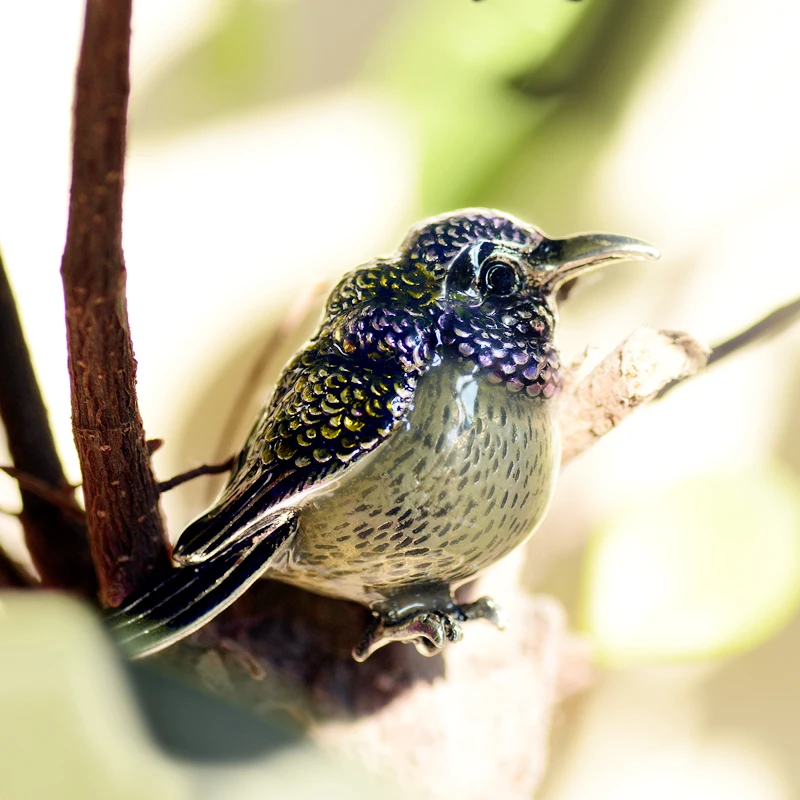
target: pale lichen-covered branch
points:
(632, 374)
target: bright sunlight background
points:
(276, 143)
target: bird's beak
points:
(560, 260)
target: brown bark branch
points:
(56, 539)
(125, 528)
(205, 469)
(62, 499)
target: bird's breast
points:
(461, 482)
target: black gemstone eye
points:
(498, 278)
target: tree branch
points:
(63, 499)
(632, 374)
(646, 366)
(205, 469)
(774, 323)
(55, 539)
(492, 696)
(125, 528)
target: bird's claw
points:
(427, 630)
(483, 608)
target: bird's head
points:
(495, 280)
(483, 259)
(488, 282)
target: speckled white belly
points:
(465, 480)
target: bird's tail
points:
(216, 529)
(190, 596)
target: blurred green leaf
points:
(483, 83)
(709, 568)
(70, 727)
(235, 66)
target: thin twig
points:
(771, 325)
(55, 538)
(205, 469)
(62, 499)
(125, 527)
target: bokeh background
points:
(275, 144)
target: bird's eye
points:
(498, 278)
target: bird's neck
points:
(515, 349)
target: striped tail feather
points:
(190, 596)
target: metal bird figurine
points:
(410, 444)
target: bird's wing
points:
(188, 598)
(336, 401)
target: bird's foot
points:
(483, 608)
(429, 629)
